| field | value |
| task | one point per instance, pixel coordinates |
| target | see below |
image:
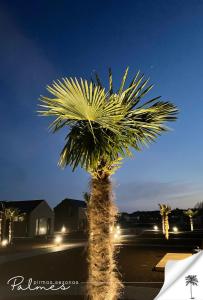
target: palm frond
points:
(164, 209)
(11, 213)
(191, 279)
(104, 125)
(190, 213)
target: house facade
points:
(71, 214)
(37, 220)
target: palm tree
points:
(1, 219)
(12, 214)
(165, 210)
(192, 281)
(190, 213)
(102, 128)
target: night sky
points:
(41, 41)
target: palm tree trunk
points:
(0, 229)
(10, 232)
(163, 225)
(191, 291)
(191, 224)
(103, 281)
(166, 226)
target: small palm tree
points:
(12, 214)
(165, 210)
(1, 218)
(191, 213)
(102, 128)
(192, 281)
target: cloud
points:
(134, 196)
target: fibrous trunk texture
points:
(163, 225)
(103, 281)
(191, 224)
(166, 226)
(0, 228)
(10, 232)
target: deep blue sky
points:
(44, 40)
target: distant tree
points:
(199, 205)
(191, 213)
(192, 281)
(165, 210)
(12, 215)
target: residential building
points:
(38, 218)
(71, 214)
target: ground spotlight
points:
(116, 236)
(58, 240)
(175, 229)
(63, 229)
(118, 231)
(42, 230)
(4, 243)
(156, 227)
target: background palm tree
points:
(192, 281)
(1, 219)
(191, 213)
(12, 214)
(165, 210)
(102, 128)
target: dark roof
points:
(73, 202)
(24, 206)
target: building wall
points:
(20, 229)
(66, 215)
(43, 210)
(82, 213)
(69, 215)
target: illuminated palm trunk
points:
(0, 228)
(166, 227)
(191, 224)
(163, 225)
(103, 281)
(10, 232)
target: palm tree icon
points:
(192, 281)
